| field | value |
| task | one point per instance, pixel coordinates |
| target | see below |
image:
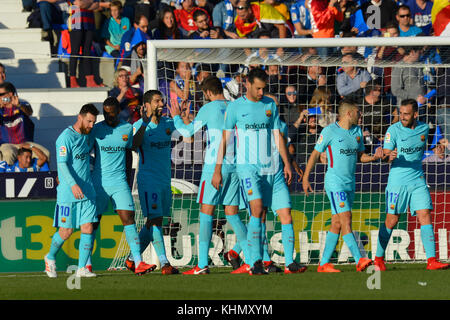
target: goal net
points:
(376, 73)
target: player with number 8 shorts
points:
(343, 143)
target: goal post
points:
(311, 215)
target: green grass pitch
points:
(400, 281)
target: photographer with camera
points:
(16, 127)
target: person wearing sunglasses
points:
(405, 26)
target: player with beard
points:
(75, 200)
(110, 139)
(152, 138)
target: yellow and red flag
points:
(440, 17)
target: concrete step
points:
(53, 112)
(13, 20)
(65, 99)
(20, 35)
(38, 80)
(42, 65)
(11, 6)
(24, 50)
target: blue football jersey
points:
(253, 123)
(155, 152)
(342, 147)
(72, 148)
(110, 144)
(410, 144)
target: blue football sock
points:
(350, 240)
(89, 260)
(265, 244)
(204, 239)
(384, 235)
(288, 240)
(240, 230)
(158, 244)
(330, 244)
(133, 241)
(84, 249)
(427, 236)
(57, 243)
(254, 240)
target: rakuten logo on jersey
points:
(412, 150)
(160, 144)
(110, 149)
(348, 152)
(257, 126)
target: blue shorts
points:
(228, 195)
(72, 215)
(272, 189)
(416, 196)
(120, 196)
(341, 200)
(155, 200)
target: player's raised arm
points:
(146, 115)
(183, 124)
(313, 158)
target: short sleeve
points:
(230, 117)
(389, 139)
(62, 149)
(360, 138)
(323, 141)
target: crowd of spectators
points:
(306, 94)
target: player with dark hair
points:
(343, 142)
(75, 200)
(110, 139)
(256, 121)
(152, 138)
(211, 115)
(404, 145)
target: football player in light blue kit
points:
(152, 135)
(404, 145)
(75, 200)
(256, 122)
(110, 139)
(343, 142)
(212, 116)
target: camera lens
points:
(6, 99)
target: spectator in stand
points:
(53, 12)
(421, 14)
(204, 29)
(26, 163)
(206, 5)
(255, 17)
(440, 154)
(304, 136)
(351, 82)
(185, 17)
(138, 56)
(130, 98)
(321, 105)
(126, 47)
(82, 31)
(223, 16)
(283, 9)
(290, 108)
(275, 82)
(376, 115)
(388, 8)
(301, 19)
(114, 28)
(2, 73)
(167, 26)
(15, 125)
(183, 86)
(407, 82)
(310, 80)
(324, 14)
(405, 26)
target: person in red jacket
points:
(324, 13)
(185, 17)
